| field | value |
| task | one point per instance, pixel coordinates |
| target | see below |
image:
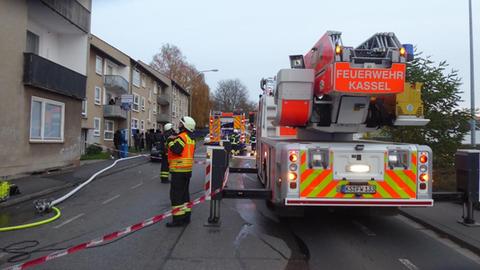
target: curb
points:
(443, 232)
(45, 192)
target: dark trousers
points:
(179, 192)
(164, 171)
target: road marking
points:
(111, 199)
(137, 185)
(68, 221)
(364, 228)
(407, 263)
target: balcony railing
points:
(116, 83)
(45, 74)
(163, 118)
(114, 111)
(73, 11)
(163, 99)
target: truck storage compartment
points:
(293, 97)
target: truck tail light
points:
(293, 185)
(292, 176)
(423, 186)
(423, 158)
(293, 157)
(424, 177)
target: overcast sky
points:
(253, 39)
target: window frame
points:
(96, 132)
(99, 100)
(44, 102)
(134, 120)
(142, 125)
(137, 104)
(142, 103)
(85, 106)
(36, 39)
(99, 69)
(105, 131)
(134, 78)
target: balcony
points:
(114, 111)
(163, 118)
(45, 74)
(72, 11)
(116, 84)
(163, 99)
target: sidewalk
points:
(443, 219)
(36, 186)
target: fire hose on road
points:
(45, 206)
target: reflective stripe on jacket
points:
(181, 162)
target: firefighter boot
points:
(187, 217)
(176, 222)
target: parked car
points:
(155, 153)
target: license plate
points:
(359, 189)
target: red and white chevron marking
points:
(114, 235)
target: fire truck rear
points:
(330, 94)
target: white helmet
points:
(188, 123)
(167, 127)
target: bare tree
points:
(171, 62)
(231, 95)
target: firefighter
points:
(234, 141)
(180, 158)
(167, 132)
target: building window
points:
(136, 102)
(150, 94)
(98, 96)
(142, 125)
(142, 103)
(47, 120)
(84, 108)
(144, 82)
(155, 88)
(33, 42)
(134, 123)
(96, 126)
(154, 108)
(108, 130)
(98, 65)
(136, 78)
(149, 115)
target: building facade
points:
(44, 50)
(108, 79)
(180, 103)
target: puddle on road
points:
(261, 222)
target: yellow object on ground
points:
(34, 224)
(4, 190)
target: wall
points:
(18, 155)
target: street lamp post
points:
(472, 79)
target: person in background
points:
(142, 141)
(148, 140)
(117, 142)
(180, 160)
(136, 139)
(164, 171)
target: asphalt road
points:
(251, 236)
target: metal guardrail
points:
(114, 111)
(116, 83)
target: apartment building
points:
(44, 50)
(180, 103)
(162, 95)
(108, 79)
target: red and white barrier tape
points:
(114, 235)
